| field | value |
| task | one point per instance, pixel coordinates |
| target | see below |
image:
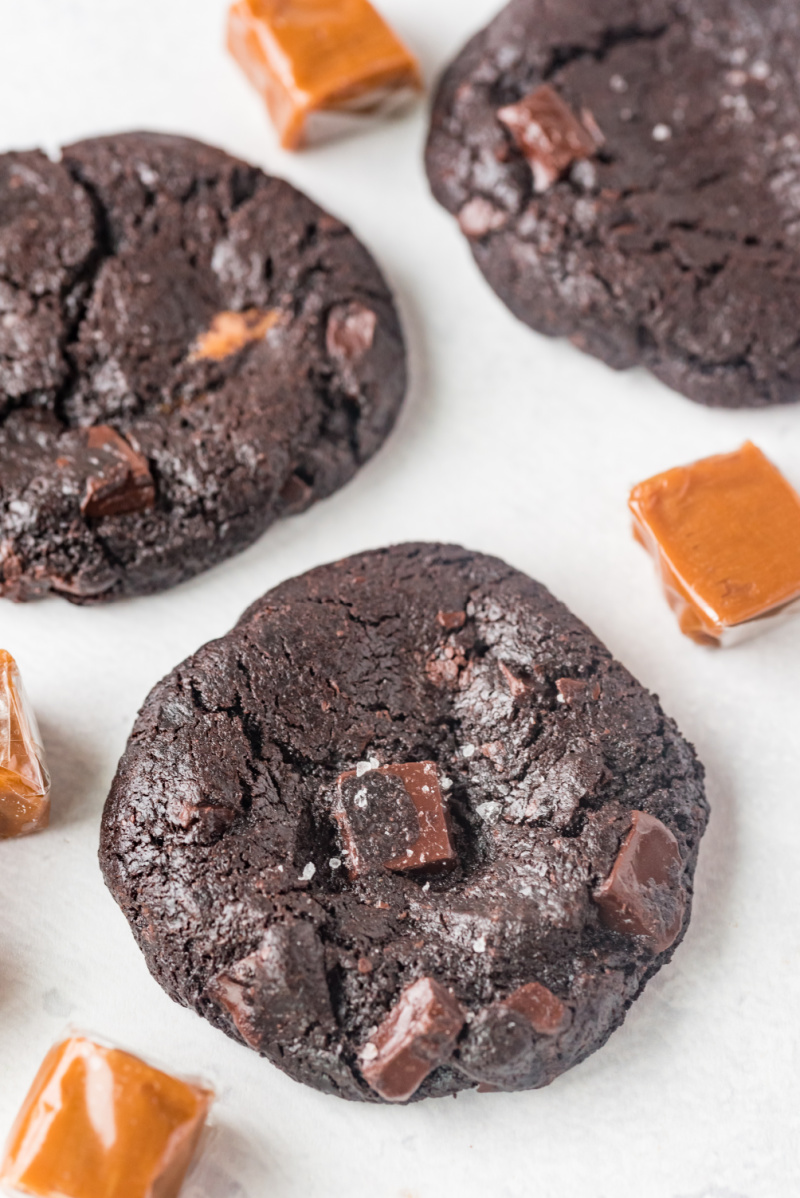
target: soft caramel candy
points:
(309, 57)
(725, 535)
(24, 781)
(99, 1123)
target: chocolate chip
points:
(451, 621)
(642, 895)
(577, 690)
(296, 495)
(393, 817)
(549, 134)
(546, 1014)
(518, 687)
(498, 1049)
(280, 991)
(118, 479)
(350, 332)
(416, 1036)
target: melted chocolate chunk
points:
(118, 478)
(280, 991)
(501, 1048)
(498, 1050)
(549, 134)
(416, 1036)
(641, 895)
(546, 1014)
(394, 818)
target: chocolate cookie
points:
(189, 349)
(628, 176)
(407, 829)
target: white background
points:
(508, 443)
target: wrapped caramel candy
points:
(100, 1123)
(24, 781)
(725, 535)
(320, 63)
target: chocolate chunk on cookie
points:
(396, 882)
(189, 349)
(627, 175)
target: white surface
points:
(511, 444)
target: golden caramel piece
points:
(99, 1123)
(725, 535)
(24, 781)
(309, 57)
(232, 331)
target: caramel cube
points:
(725, 536)
(308, 57)
(24, 781)
(99, 1123)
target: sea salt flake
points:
(446, 783)
(308, 872)
(488, 811)
(335, 863)
(479, 945)
(662, 133)
(369, 1052)
(468, 750)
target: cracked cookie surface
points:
(234, 349)
(677, 245)
(222, 843)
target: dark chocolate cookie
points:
(407, 829)
(628, 176)
(189, 349)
